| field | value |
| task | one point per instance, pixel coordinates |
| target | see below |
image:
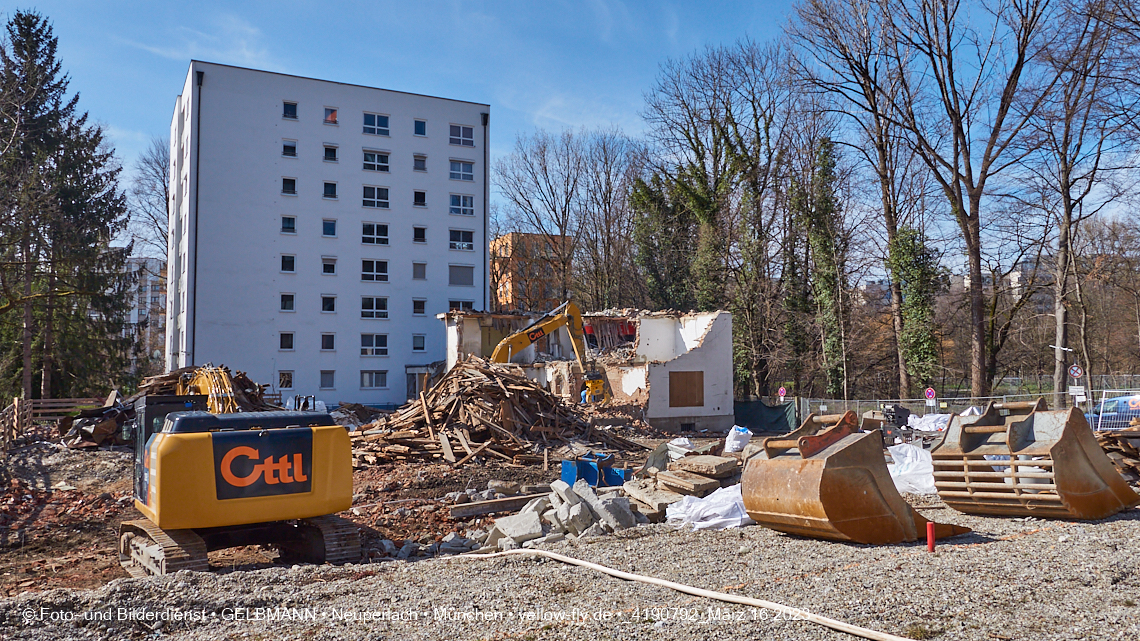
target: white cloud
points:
(232, 41)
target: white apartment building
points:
(146, 322)
(318, 228)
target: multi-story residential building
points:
(146, 323)
(318, 227)
(525, 272)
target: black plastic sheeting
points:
(758, 416)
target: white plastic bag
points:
(912, 470)
(720, 510)
(931, 422)
(737, 438)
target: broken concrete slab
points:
(578, 518)
(594, 530)
(520, 527)
(706, 465)
(538, 505)
(647, 492)
(618, 508)
(549, 538)
(641, 510)
(510, 488)
(687, 483)
(602, 510)
(551, 517)
(567, 495)
(507, 543)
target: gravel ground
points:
(44, 465)
(1009, 579)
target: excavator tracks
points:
(147, 550)
(341, 537)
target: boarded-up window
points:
(686, 389)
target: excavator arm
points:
(567, 314)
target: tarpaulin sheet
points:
(758, 416)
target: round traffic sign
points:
(783, 392)
(930, 393)
(1075, 371)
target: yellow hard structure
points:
(183, 491)
(208, 482)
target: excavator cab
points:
(1020, 459)
(828, 480)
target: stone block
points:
(520, 527)
(562, 489)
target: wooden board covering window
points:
(686, 389)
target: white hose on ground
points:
(708, 594)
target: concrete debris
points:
(683, 482)
(508, 488)
(564, 493)
(705, 465)
(520, 527)
(647, 492)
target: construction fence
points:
(27, 419)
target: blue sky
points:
(550, 64)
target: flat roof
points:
(335, 82)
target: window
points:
(462, 240)
(375, 124)
(373, 379)
(286, 340)
(419, 234)
(462, 305)
(289, 148)
(288, 263)
(419, 271)
(419, 163)
(375, 161)
(290, 112)
(285, 380)
(330, 153)
(288, 225)
(376, 270)
(374, 234)
(330, 190)
(330, 115)
(376, 197)
(373, 344)
(374, 307)
(287, 302)
(461, 135)
(419, 198)
(328, 378)
(418, 306)
(328, 304)
(420, 128)
(289, 185)
(462, 205)
(461, 275)
(686, 389)
(328, 265)
(328, 342)
(328, 227)
(462, 170)
(418, 342)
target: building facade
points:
(318, 228)
(524, 273)
(146, 323)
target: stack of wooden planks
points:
(480, 410)
(1123, 447)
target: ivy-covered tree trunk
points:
(916, 267)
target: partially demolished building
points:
(678, 367)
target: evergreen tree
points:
(62, 286)
(663, 233)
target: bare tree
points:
(150, 199)
(959, 72)
(541, 181)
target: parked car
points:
(1115, 413)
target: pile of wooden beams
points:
(480, 410)
(1123, 447)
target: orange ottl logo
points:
(283, 470)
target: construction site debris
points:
(1123, 449)
(715, 466)
(481, 410)
(96, 426)
(683, 482)
(722, 509)
(227, 392)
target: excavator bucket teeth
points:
(1020, 459)
(842, 492)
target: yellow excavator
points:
(565, 315)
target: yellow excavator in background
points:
(565, 315)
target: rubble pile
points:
(1123, 448)
(480, 410)
(25, 509)
(96, 426)
(228, 392)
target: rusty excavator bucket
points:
(1055, 468)
(827, 480)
